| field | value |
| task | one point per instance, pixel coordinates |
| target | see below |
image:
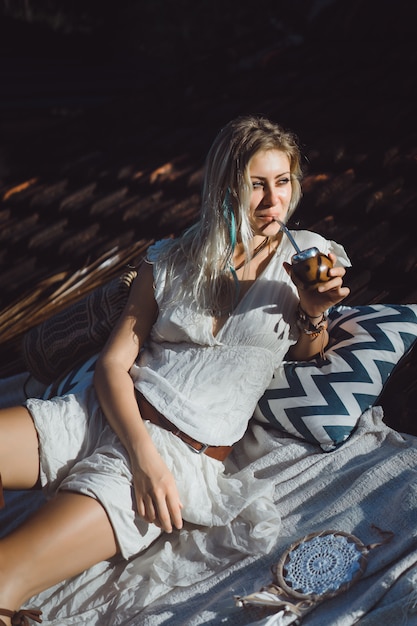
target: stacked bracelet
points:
(305, 324)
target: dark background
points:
(107, 111)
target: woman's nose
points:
(271, 196)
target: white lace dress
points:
(208, 386)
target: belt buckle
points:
(201, 450)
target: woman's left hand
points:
(317, 299)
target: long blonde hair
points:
(201, 258)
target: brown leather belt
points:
(149, 413)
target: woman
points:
(209, 317)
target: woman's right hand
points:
(156, 493)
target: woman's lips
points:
(267, 218)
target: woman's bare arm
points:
(314, 302)
(156, 493)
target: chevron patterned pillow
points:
(321, 400)
(74, 381)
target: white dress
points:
(208, 386)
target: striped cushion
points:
(322, 399)
(70, 337)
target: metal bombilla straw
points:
(310, 265)
(290, 237)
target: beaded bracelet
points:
(304, 323)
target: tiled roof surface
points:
(96, 159)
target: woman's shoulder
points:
(159, 249)
(308, 238)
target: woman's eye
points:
(257, 184)
(283, 181)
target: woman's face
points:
(269, 171)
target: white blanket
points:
(371, 479)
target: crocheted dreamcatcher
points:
(314, 568)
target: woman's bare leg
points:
(19, 456)
(64, 537)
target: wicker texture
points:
(70, 337)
